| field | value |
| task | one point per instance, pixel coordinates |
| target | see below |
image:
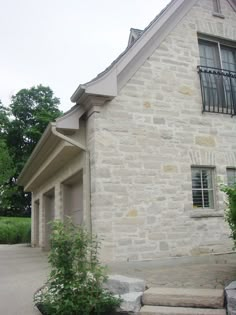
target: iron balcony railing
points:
(218, 87)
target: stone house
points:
(139, 158)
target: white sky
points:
(63, 43)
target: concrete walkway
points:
(24, 269)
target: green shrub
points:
(15, 230)
(230, 212)
(76, 278)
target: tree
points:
(21, 126)
(6, 164)
(4, 121)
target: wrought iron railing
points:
(218, 87)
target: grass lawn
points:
(15, 230)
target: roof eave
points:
(40, 144)
(78, 93)
(104, 86)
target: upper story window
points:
(216, 6)
(217, 72)
(217, 9)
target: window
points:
(216, 6)
(218, 76)
(231, 176)
(202, 187)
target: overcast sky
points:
(63, 43)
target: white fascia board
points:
(106, 85)
(70, 120)
(39, 145)
(51, 164)
(78, 93)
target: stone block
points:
(178, 297)
(164, 246)
(158, 121)
(103, 173)
(125, 242)
(186, 90)
(167, 135)
(156, 236)
(230, 293)
(131, 302)
(147, 105)
(207, 141)
(151, 220)
(132, 213)
(231, 301)
(231, 286)
(170, 168)
(118, 284)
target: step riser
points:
(161, 310)
(201, 298)
(174, 302)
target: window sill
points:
(219, 15)
(206, 213)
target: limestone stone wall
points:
(144, 142)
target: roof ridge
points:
(135, 29)
(131, 45)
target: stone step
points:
(167, 310)
(187, 297)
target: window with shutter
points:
(202, 187)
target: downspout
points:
(87, 172)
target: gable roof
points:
(76, 97)
(107, 83)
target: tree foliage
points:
(4, 121)
(21, 126)
(6, 163)
(230, 211)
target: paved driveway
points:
(22, 271)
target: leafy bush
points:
(230, 212)
(76, 278)
(15, 230)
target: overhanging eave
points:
(60, 157)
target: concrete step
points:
(187, 297)
(166, 310)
